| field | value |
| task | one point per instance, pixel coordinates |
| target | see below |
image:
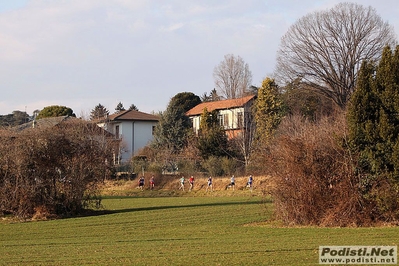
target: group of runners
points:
(191, 182)
(141, 183)
(210, 183)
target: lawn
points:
(184, 230)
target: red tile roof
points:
(133, 115)
(219, 105)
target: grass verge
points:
(185, 230)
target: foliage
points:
(99, 112)
(212, 166)
(268, 111)
(55, 111)
(170, 132)
(186, 166)
(314, 182)
(342, 170)
(139, 164)
(229, 166)
(173, 129)
(14, 119)
(184, 101)
(212, 140)
(232, 77)
(325, 49)
(54, 170)
(119, 107)
(213, 96)
(133, 107)
(373, 132)
(300, 100)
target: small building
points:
(135, 130)
(234, 115)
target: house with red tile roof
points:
(233, 114)
(135, 130)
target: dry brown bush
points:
(52, 171)
(314, 177)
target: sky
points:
(81, 53)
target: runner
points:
(250, 181)
(232, 182)
(191, 181)
(209, 184)
(141, 183)
(152, 183)
(182, 183)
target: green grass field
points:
(201, 230)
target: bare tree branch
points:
(326, 48)
(232, 77)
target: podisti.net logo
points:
(358, 254)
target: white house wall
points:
(135, 135)
(143, 134)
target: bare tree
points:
(53, 171)
(325, 49)
(232, 77)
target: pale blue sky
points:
(80, 53)
(7, 5)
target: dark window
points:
(240, 120)
(117, 132)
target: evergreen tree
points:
(268, 111)
(170, 132)
(99, 112)
(133, 107)
(373, 124)
(119, 108)
(363, 109)
(174, 126)
(212, 140)
(373, 119)
(54, 111)
(184, 101)
(213, 96)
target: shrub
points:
(213, 166)
(313, 174)
(52, 171)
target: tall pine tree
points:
(268, 111)
(373, 117)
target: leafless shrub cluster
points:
(52, 172)
(315, 182)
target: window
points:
(153, 130)
(226, 121)
(117, 132)
(240, 120)
(220, 118)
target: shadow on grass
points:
(166, 207)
